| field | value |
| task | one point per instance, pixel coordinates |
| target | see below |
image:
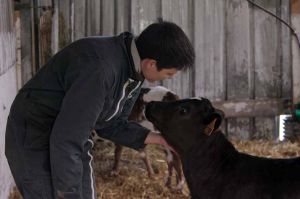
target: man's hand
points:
(155, 138)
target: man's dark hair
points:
(166, 43)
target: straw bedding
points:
(133, 182)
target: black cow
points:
(213, 168)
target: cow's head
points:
(184, 122)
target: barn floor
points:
(133, 182)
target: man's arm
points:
(130, 134)
(86, 88)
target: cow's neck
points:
(205, 161)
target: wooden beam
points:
(26, 41)
(55, 28)
(252, 108)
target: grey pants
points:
(31, 167)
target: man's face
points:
(150, 72)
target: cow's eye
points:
(183, 111)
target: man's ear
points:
(148, 63)
(152, 64)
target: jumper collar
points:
(135, 56)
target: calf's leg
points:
(118, 153)
(145, 158)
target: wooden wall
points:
(243, 55)
(7, 37)
(8, 86)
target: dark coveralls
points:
(91, 84)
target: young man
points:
(91, 84)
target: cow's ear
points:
(213, 122)
(210, 127)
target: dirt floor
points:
(133, 182)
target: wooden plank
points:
(72, 20)
(55, 28)
(89, 17)
(238, 61)
(44, 32)
(267, 63)
(7, 38)
(177, 11)
(123, 16)
(238, 129)
(267, 58)
(97, 18)
(238, 50)
(93, 17)
(285, 51)
(79, 19)
(44, 3)
(209, 47)
(8, 86)
(64, 23)
(26, 43)
(45, 36)
(296, 58)
(265, 128)
(143, 13)
(251, 108)
(107, 17)
(18, 49)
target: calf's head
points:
(184, 123)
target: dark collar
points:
(134, 56)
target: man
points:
(90, 84)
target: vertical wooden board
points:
(64, 22)
(267, 62)
(209, 47)
(26, 43)
(107, 17)
(238, 128)
(286, 62)
(177, 11)
(45, 3)
(296, 57)
(238, 62)
(123, 13)
(143, 13)
(55, 28)
(89, 16)
(238, 50)
(96, 29)
(8, 86)
(7, 37)
(18, 49)
(93, 16)
(79, 19)
(265, 128)
(72, 20)
(45, 36)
